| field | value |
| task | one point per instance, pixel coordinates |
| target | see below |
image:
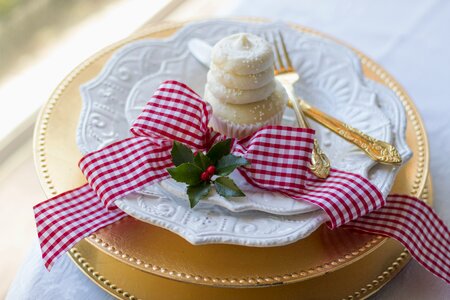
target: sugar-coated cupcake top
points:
(243, 54)
(243, 82)
(241, 69)
(241, 86)
(250, 113)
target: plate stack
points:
(167, 250)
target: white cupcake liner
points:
(239, 131)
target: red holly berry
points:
(211, 170)
(205, 176)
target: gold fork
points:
(287, 76)
(377, 150)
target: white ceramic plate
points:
(255, 199)
(331, 79)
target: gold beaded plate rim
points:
(118, 292)
(46, 180)
(364, 292)
(253, 281)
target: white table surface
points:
(411, 39)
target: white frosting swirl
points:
(238, 96)
(241, 86)
(242, 54)
(245, 82)
(250, 113)
(241, 70)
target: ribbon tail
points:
(66, 219)
(416, 226)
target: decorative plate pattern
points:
(210, 223)
(331, 79)
(255, 199)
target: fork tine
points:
(278, 56)
(286, 54)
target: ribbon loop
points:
(279, 158)
(126, 166)
(175, 112)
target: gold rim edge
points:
(363, 293)
(294, 277)
(49, 188)
(99, 279)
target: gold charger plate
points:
(148, 261)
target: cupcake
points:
(241, 87)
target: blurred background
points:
(41, 41)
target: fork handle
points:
(320, 164)
(301, 119)
(377, 150)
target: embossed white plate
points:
(255, 199)
(331, 79)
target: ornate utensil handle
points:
(377, 150)
(320, 164)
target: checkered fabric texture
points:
(279, 157)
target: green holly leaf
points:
(181, 154)
(228, 163)
(198, 192)
(219, 150)
(227, 188)
(202, 161)
(187, 173)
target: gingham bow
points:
(279, 157)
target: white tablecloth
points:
(410, 39)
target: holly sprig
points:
(201, 171)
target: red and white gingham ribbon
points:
(279, 157)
